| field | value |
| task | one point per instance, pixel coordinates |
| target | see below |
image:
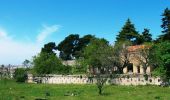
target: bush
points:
(20, 75)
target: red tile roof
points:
(136, 47)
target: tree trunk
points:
(144, 70)
(120, 70)
(100, 91)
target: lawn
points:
(10, 90)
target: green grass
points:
(10, 90)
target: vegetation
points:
(48, 63)
(121, 55)
(45, 63)
(20, 75)
(98, 54)
(93, 53)
(160, 57)
(71, 47)
(165, 25)
(9, 90)
(128, 33)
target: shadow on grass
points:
(106, 94)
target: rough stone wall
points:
(79, 79)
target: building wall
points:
(135, 58)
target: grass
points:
(10, 90)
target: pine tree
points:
(128, 33)
(147, 37)
(165, 25)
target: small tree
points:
(20, 75)
(26, 63)
(100, 82)
(98, 55)
(122, 55)
(46, 63)
(143, 55)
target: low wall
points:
(82, 79)
(136, 81)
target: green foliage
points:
(49, 48)
(64, 69)
(146, 36)
(160, 58)
(26, 63)
(20, 75)
(72, 46)
(83, 42)
(128, 33)
(99, 54)
(94, 51)
(121, 55)
(46, 63)
(67, 46)
(80, 67)
(166, 25)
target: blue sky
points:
(25, 25)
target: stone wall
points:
(82, 79)
(136, 81)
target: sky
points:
(26, 25)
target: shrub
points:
(20, 75)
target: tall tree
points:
(71, 47)
(67, 46)
(165, 25)
(83, 42)
(147, 37)
(128, 33)
(49, 48)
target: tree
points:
(26, 63)
(165, 25)
(160, 58)
(71, 47)
(46, 63)
(128, 33)
(49, 48)
(98, 54)
(67, 46)
(146, 36)
(20, 75)
(83, 42)
(143, 55)
(121, 55)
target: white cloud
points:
(13, 52)
(3, 34)
(46, 31)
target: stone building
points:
(138, 56)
